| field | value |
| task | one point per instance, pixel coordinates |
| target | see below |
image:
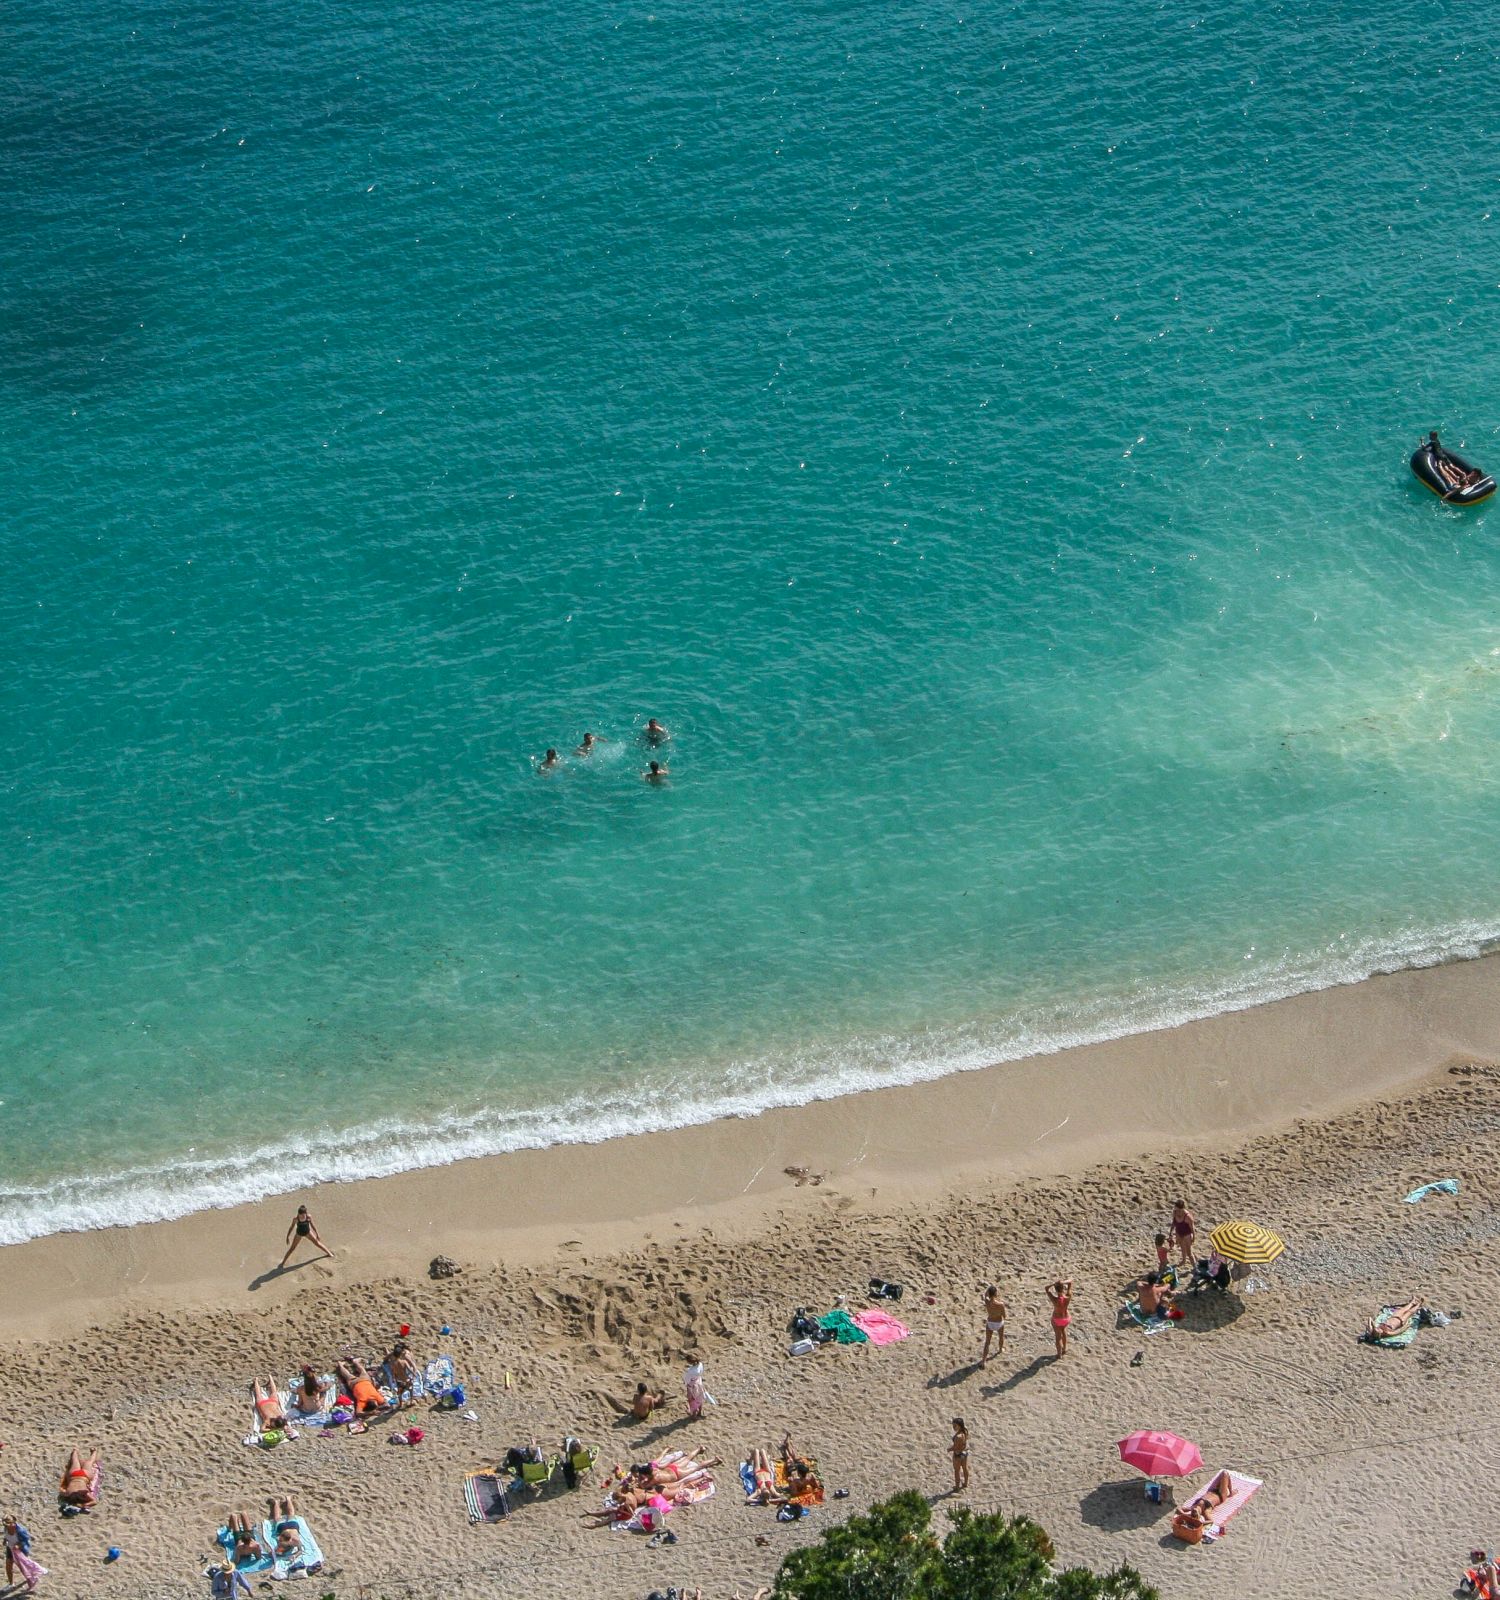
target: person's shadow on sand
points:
(947, 1380)
(1018, 1377)
(278, 1272)
(661, 1430)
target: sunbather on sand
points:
(308, 1396)
(360, 1386)
(765, 1492)
(1220, 1490)
(645, 1402)
(269, 1406)
(667, 1474)
(247, 1547)
(625, 1502)
(799, 1470)
(283, 1520)
(76, 1486)
(404, 1373)
(1397, 1320)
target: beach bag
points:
(881, 1290)
(271, 1438)
(802, 1347)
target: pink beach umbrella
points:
(1160, 1455)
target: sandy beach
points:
(587, 1268)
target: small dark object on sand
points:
(443, 1267)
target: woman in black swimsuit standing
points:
(303, 1227)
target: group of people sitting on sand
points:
(312, 1396)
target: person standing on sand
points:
(1184, 1231)
(994, 1324)
(1060, 1294)
(18, 1556)
(303, 1227)
(697, 1391)
(959, 1450)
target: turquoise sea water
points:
(978, 433)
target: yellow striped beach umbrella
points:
(1247, 1243)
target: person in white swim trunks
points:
(994, 1323)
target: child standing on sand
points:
(959, 1450)
(1060, 1294)
(1163, 1254)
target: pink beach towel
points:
(880, 1326)
(1244, 1489)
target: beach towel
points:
(1147, 1321)
(1442, 1186)
(91, 1499)
(1477, 1583)
(845, 1329)
(226, 1543)
(747, 1478)
(323, 1416)
(880, 1327)
(1244, 1489)
(1403, 1335)
(809, 1497)
(435, 1379)
(309, 1560)
(484, 1495)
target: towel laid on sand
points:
(323, 1416)
(880, 1327)
(1147, 1321)
(484, 1495)
(1402, 1336)
(435, 1379)
(1243, 1488)
(1442, 1186)
(308, 1560)
(225, 1539)
(809, 1497)
(845, 1329)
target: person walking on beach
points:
(697, 1391)
(303, 1227)
(1060, 1294)
(18, 1556)
(1184, 1231)
(959, 1450)
(994, 1324)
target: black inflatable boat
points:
(1448, 475)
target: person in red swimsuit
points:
(1061, 1296)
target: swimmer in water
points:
(549, 762)
(655, 773)
(587, 748)
(654, 733)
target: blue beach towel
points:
(226, 1543)
(435, 1379)
(310, 1560)
(747, 1477)
(1442, 1186)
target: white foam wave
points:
(743, 1087)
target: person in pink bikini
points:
(1060, 1294)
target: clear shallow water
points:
(981, 439)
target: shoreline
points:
(1232, 1075)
